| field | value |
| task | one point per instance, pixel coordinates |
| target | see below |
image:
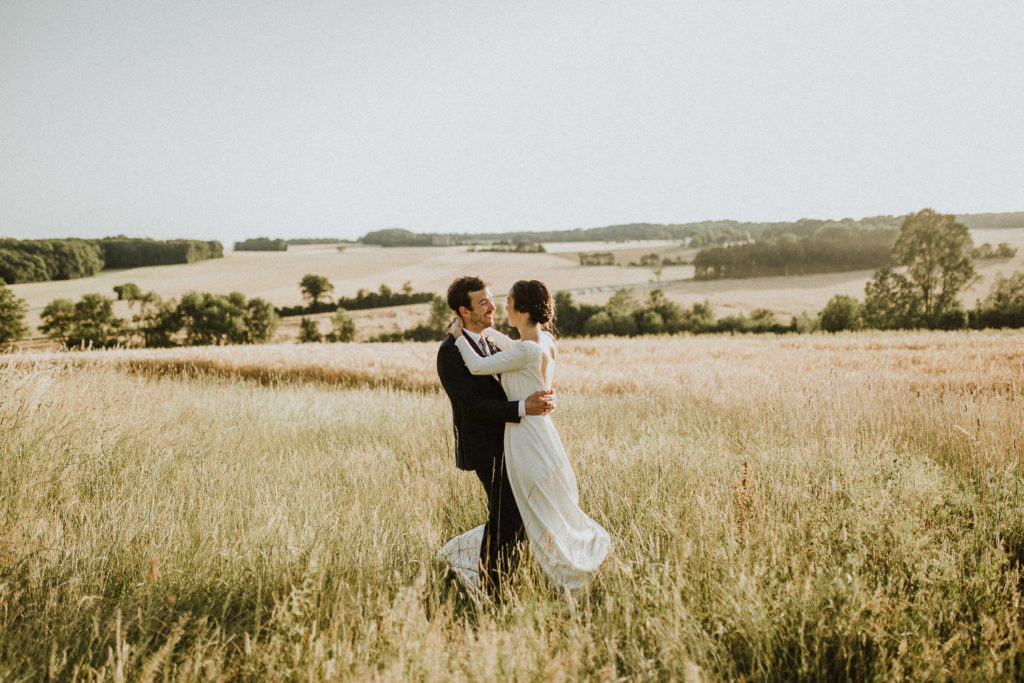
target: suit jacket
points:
(480, 409)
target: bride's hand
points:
(455, 327)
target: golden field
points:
(782, 508)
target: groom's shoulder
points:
(448, 341)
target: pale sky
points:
(219, 120)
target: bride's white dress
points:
(568, 545)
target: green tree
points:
(702, 316)
(88, 323)
(261, 321)
(315, 286)
(95, 323)
(157, 321)
(58, 317)
(651, 322)
(936, 249)
(308, 331)
(129, 291)
(842, 312)
(219, 319)
(12, 316)
(343, 327)
(673, 317)
(213, 318)
(1004, 305)
(570, 317)
(440, 314)
(764, 320)
(804, 323)
(891, 301)
(599, 324)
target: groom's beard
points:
(480, 321)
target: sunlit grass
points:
(781, 507)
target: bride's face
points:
(514, 316)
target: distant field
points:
(789, 296)
(797, 507)
(275, 277)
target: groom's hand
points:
(540, 402)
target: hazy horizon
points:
(335, 119)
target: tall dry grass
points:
(783, 508)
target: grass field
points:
(782, 508)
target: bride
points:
(569, 545)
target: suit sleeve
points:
(461, 388)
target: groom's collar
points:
(473, 336)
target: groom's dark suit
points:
(480, 410)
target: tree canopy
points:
(936, 249)
(12, 316)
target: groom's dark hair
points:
(458, 291)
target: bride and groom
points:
(501, 396)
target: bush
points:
(12, 316)
(570, 318)
(891, 301)
(157, 321)
(1004, 305)
(309, 333)
(804, 323)
(58, 317)
(129, 291)
(219, 319)
(651, 322)
(764, 320)
(949, 319)
(88, 323)
(260, 321)
(599, 324)
(261, 244)
(343, 327)
(842, 312)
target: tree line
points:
(66, 259)
(261, 244)
(829, 248)
(198, 319)
(316, 290)
(932, 251)
(697, 234)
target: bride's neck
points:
(530, 332)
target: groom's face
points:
(481, 315)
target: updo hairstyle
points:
(533, 298)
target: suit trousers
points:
(504, 529)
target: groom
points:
(480, 410)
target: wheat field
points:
(782, 508)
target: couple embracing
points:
(501, 395)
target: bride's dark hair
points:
(534, 298)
